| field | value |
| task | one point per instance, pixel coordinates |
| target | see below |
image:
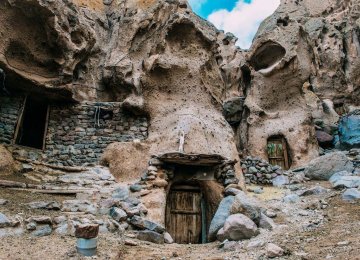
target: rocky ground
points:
(306, 219)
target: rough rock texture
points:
(7, 164)
(349, 130)
(222, 213)
(324, 167)
(304, 64)
(237, 227)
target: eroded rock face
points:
(303, 65)
(159, 60)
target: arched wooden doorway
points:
(278, 152)
(186, 214)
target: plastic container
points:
(86, 247)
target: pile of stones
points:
(259, 171)
(99, 201)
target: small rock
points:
(292, 198)
(42, 231)
(129, 242)
(270, 213)
(49, 205)
(253, 170)
(79, 206)
(40, 220)
(146, 224)
(351, 194)
(135, 188)
(313, 191)
(255, 244)
(155, 162)
(151, 236)
(87, 231)
(121, 193)
(273, 250)
(160, 183)
(343, 243)
(26, 168)
(152, 168)
(167, 238)
(118, 214)
(4, 221)
(31, 226)
(280, 181)
(266, 222)
(3, 202)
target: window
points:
(32, 124)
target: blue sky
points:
(240, 17)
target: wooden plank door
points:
(277, 153)
(183, 216)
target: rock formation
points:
(166, 100)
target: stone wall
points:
(77, 134)
(9, 111)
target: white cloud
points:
(196, 4)
(244, 20)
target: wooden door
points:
(277, 152)
(183, 216)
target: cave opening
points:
(267, 55)
(32, 124)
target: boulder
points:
(222, 213)
(247, 206)
(237, 227)
(344, 181)
(323, 167)
(142, 223)
(349, 130)
(337, 176)
(150, 236)
(273, 250)
(351, 195)
(324, 139)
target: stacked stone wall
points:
(76, 134)
(9, 113)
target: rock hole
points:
(267, 55)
